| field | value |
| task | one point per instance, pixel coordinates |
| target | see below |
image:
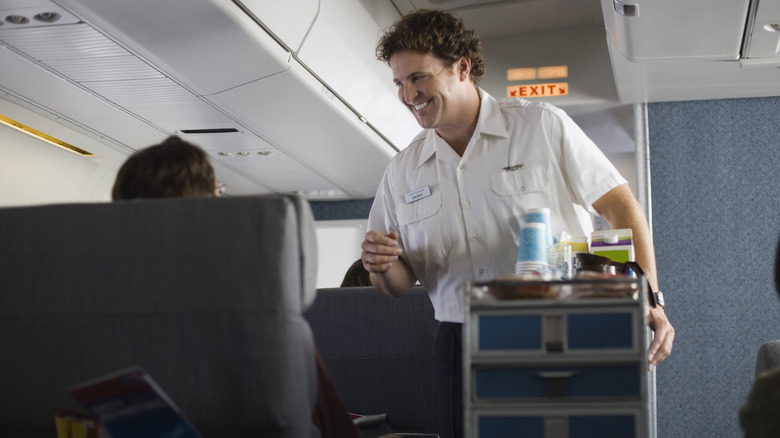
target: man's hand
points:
(621, 210)
(663, 337)
(389, 274)
(380, 251)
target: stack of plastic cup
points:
(532, 252)
(542, 215)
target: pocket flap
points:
(419, 210)
(515, 182)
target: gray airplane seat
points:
(207, 295)
(379, 352)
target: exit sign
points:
(538, 90)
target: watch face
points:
(659, 298)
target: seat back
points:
(205, 294)
(379, 352)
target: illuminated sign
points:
(553, 72)
(521, 74)
(531, 73)
(538, 90)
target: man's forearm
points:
(397, 281)
(621, 210)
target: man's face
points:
(429, 90)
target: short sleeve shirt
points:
(459, 218)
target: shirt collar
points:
(489, 122)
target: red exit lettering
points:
(538, 90)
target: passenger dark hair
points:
(437, 32)
(174, 168)
(356, 276)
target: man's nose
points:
(409, 93)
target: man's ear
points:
(464, 67)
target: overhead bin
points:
(207, 46)
(335, 40)
(300, 116)
(673, 30)
(762, 39)
(299, 76)
(667, 50)
(289, 21)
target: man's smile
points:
(420, 106)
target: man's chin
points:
(424, 123)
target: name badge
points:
(418, 194)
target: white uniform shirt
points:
(464, 222)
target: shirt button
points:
(481, 271)
(462, 166)
(474, 236)
(522, 188)
(468, 201)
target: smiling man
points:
(433, 93)
(449, 206)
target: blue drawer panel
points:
(600, 330)
(580, 426)
(568, 382)
(511, 426)
(510, 332)
(602, 426)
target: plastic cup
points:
(533, 243)
(541, 215)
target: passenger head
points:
(437, 32)
(171, 169)
(356, 276)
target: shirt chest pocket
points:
(520, 181)
(419, 210)
(425, 230)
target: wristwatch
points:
(658, 298)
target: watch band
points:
(658, 298)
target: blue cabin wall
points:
(715, 188)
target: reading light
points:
(17, 19)
(47, 17)
(44, 137)
(243, 153)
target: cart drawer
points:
(557, 425)
(557, 382)
(567, 333)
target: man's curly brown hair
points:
(437, 32)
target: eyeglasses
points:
(220, 188)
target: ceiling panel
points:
(496, 19)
